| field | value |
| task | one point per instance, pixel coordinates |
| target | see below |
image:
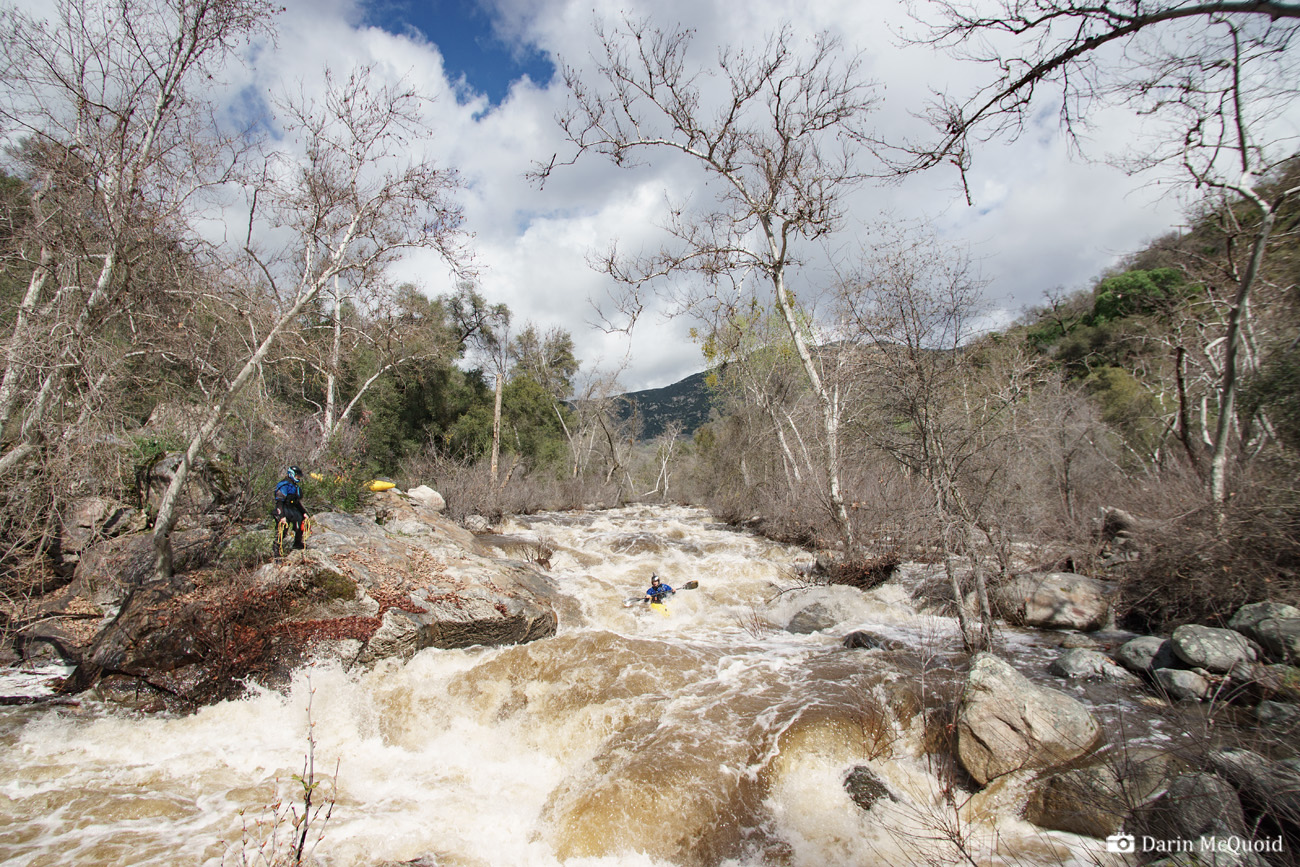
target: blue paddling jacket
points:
(658, 590)
(288, 493)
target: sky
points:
(1042, 218)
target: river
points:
(711, 736)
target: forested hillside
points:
(682, 407)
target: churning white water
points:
(711, 736)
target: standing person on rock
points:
(289, 511)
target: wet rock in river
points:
(1195, 805)
(814, 618)
(865, 788)
(1054, 600)
(1082, 664)
(1268, 789)
(1145, 654)
(1008, 724)
(862, 639)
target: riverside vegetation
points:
(1123, 456)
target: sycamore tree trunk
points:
(1237, 315)
(496, 425)
(827, 398)
(329, 422)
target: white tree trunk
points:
(828, 400)
(496, 425)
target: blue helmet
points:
(293, 473)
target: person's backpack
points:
(287, 490)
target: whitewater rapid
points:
(712, 736)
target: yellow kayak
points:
(381, 486)
(660, 607)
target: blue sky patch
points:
(464, 33)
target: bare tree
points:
(602, 436)
(665, 445)
(353, 206)
(913, 307)
(1213, 75)
(119, 143)
(781, 139)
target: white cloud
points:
(1040, 219)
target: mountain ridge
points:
(689, 401)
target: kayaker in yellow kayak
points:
(658, 591)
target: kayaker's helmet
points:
(293, 473)
(654, 580)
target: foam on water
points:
(704, 737)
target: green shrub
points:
(247, 550)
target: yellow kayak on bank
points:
(378, 485)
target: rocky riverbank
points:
(1228, 797)
(381, 584)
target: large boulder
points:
(88, 520)
(1054, 600)
(1280, 639)
(1181, 684)
(143, 640)
(209, 484)
(361, 590)
(427, 497)
(1247, 616)
(504, 603)
(1196, 807)
(1095, 798)
(110, 570)
(1274, 626)
(813, 618)
(1005, 723)
(1267, 788)
(1215, 650)
(1278, 714)
(1145, 654)
(1264, 682)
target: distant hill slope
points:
(687, 401)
